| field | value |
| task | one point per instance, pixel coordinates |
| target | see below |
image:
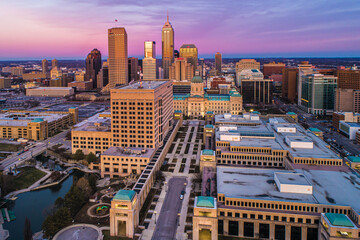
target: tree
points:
(27, 230)
(91, 157)
(74, 200)
(59, 203)
(84, 186)
(53, 223)
(92, 181)
(79, 155)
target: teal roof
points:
(314, 129)
(235, 94)
(197, 96)
(207, 152)
(181, 96)
(209, 126)
(37, 120)
(291, 113)
(197, 79)
(354, 158)
(124, 195)
(337, 219)
(256, 112)
(209, 112)
(217, 97)
(73, 107)
(177, 111)
(203, 201)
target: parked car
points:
(182, 195)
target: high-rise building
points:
(202, 68)
(289, 84)
(151, 101)
(118, 57)
(181, 70)
(190, 53)
(103, 76)
(349, 79)
(176, 54)
(93, 66)
(54, 63)
(149, 49)
(133, 68)
(167, 47)
(318, 93)
(304, 68)
(17, 71)
(254, 88)
(218, 62)
(347, 100)
(45, 66)
(273, 68)
(149, 68)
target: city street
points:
(167, 221)
(39, 147)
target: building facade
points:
(289, 84)
(273, 68)
(181, 70)
(190, 53)
(45, 66)
(167, 37)
(218, 63)
(93, 65)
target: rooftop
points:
(145, 85)
(129, 152)
(203, 201)
(314, 130)
(207, 152)
(329, 187)
(340, 220)
(124, 195)
(354, 159)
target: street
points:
(167, 221)
(39, 147)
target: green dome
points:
(197, 79)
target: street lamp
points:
(155, 216)
(179, 214)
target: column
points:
(272, 230)
(241, 229)
(256, 229)
(287, 231)
(304, 233)
(226, 227)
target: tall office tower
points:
(349, 79)
(150, 101)
(190, 53)
(161, 73)
(289, 84)
(304, 68)
(181, 70)
(244, 64)
(167, 47)
(318, 93)
(149, 69)
(176, 54)
(273, 68)
(54, 63)
(118, 57)
(202, 68)
(45, 66)
(103, 76)
(218, 62)
(254, 88)
(93, 66)
(149, 49)
(133, 68)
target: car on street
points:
(182, 195)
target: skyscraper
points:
(93, 66)
(167, 47)
(132, 69)
(218, 61)
(149, 49)
(45, 66)
(181, 70)
(118, 57)
(190, 52)
(54, 63)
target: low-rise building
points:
(81, 86)
(349, 129)
(346, 117)
(50, 91)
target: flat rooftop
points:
(329, 187)
(23, 118)
(145, 85)
(95, 124)
(129, 152)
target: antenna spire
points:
(167, 15)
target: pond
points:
(36, 206)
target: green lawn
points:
(9, 147)
(27, 177)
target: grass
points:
(27, 177)
(9, 147)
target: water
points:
(35, 206)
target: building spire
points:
(167, 15)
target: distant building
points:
(81, 86)
(245, 64)
(5, 83)
(45, 66)
(149, 68)
(54, 63)
(181, 70)
(318, 93)
(348, 79)
(17, 71)
(149, 49)
(103, 76)
(35, 75)
(132, 69)
(344, 116)
(118, 57)
(289, 84)
(347, 100)
(254, 88)
(55, 73)
(93, 66)
(190, 53)
(50, 91)
(218, 63)
(167, 37)
(273, 68)
(304, 68)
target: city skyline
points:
(58, 29)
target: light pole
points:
(155, 216)
(165, 186)
(179, 214)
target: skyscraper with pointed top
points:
(167, 47)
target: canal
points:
(36, 205)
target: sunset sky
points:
(69, 29)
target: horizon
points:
(62, 29)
